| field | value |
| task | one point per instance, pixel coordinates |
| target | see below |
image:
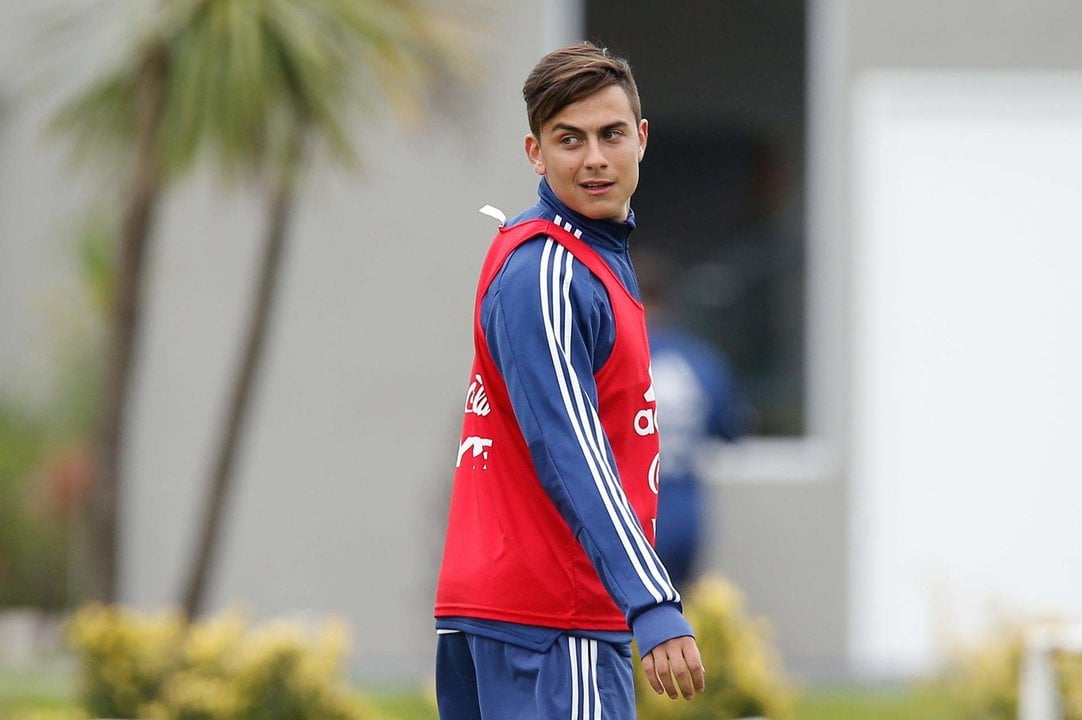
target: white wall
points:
(965, 483)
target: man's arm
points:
(549, 328)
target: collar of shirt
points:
(611, 234)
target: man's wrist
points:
(658, 624)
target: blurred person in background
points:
(548, 569)
(698, 404)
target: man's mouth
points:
(597, 186)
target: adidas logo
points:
(646, 419)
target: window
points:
(722, 190)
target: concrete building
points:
(931, 480)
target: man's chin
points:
(602, 211)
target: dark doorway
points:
(722, 190)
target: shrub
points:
(982, 679)
(743, 673)
(158, 666)
(1069, 667)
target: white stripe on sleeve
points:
(636, 547)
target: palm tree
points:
(249, 85)
(125, 107)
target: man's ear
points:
(644, 130)
(533, 154)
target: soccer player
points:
(548, 569)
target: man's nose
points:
(595, 158)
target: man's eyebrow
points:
(564, 127)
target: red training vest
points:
(509, 555)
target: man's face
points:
(590, 153)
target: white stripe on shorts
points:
(585, 697)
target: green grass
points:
(21, 691)
(404, 706)
(813, 704)
(874, 704)
(24, 690)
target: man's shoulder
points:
(540, 254)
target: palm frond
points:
(242, 75)
(101, 119)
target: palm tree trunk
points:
(144, 192)
(283, 197)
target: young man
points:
(548, 568)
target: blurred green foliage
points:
(46, 465)
(982, 678)
(141, 665)
(744, 677)
(1069, 667)
(34, 532)
(240, 77)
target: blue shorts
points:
(576, 678)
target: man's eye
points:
(612, 134)
(568, 140)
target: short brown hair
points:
(570, 74)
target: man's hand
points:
(677, 658)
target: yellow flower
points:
(212, 643)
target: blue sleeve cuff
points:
(658, 624)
